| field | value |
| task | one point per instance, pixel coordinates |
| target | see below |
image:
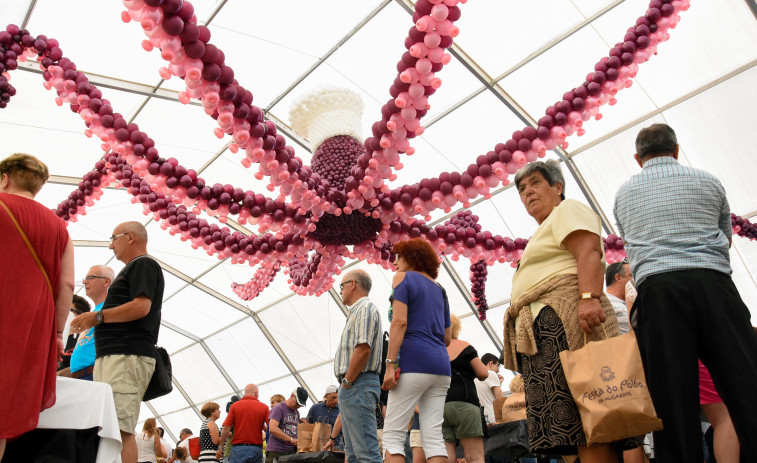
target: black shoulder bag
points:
(161, 382)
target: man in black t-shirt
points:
(126, 329)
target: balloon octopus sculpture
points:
(342, 205)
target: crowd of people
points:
(426, 389)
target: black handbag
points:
(161, 382)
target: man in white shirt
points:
(184, 436)
(490, 389)
(617, 276)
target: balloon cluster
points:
(426, 43)
(171, 26)
(316, 274)
(743, 227)
(478, 273)
(342, 199)
(326, 113)
(332, 161)
(263, 277)
(611, 74)
(614, 248)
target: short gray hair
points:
(655, 140)
(363, 280)
(550, 170)
(106, 271)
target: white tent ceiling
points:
(511, 61)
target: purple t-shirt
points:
(288, 420)
(423, 349)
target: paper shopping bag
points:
(304, 436)
(607, 381)
(514, 408)
(497, 405)
(321, 434)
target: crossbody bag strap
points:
(29, 246)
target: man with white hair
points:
(327, 411)
(96, 285)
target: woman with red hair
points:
(418, 336)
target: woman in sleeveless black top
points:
(462, 411)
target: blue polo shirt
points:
(321, 413)
(84, 351)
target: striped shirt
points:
(673, 217)
(363, 326)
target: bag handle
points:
(29, 246)
(603, 331)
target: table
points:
(314, 457)
(84, 409)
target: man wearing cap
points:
(327, 412)
(248, 417)
(357, 364)
(282, 423)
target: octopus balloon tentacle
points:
(612, 73)
(342, 198)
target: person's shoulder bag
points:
(161, 382)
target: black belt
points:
(247, 445)
(83, 372)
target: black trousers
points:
(683, 316)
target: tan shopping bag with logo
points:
(606, 379)
(321, 435)
(304, 437)
(497, 405)
(514, 408)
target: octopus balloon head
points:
(330, 119)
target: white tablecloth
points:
(84, 405)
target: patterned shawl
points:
(560, 293)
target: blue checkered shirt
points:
(363, 326)
(673, 217)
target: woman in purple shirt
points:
(418, 337)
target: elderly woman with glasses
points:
(36, 288)
(557, 301)
(418, 336)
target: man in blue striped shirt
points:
(356, 366)
(675, 221)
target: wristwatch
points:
(346, 383)
(389, 361)
(99, 318)
(589, 296)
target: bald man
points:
(248, 416)
(126, 329)
(357, 364)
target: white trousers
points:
(429, 393)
